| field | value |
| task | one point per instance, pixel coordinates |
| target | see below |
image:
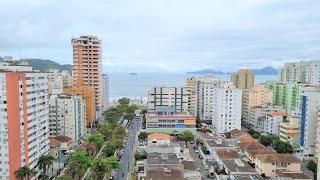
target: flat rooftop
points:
(237, 166)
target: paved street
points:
(128, 153)
(198, 161)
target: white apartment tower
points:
(226, 108)
(304, 71)
(67, 116)
(310, 102)
(105, 91)
(206, 86)
(24, 126)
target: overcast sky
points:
(165, 35)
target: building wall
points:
(289, 131)
(258, 111)
(205, 93)
(87, 65)
(318, 141)
(87, 93)
(67, 117)
(309, 119)
(105, 92)
(270, 170)
(170, 122)
(226, 109)
(191, 90)
(256, 96)
(243, 79)
(24, 120)
(272, 124)
(306, 72)
(176, 97)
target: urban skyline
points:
(139, 35)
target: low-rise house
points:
(235, 167)
(225, 154)
(189, 171)
(240, 136)
(164, 174)
(60, 145)
(253, 149)
(291, 176)
(158, 139)
(54, 148)
(271, 164)
(163, 160)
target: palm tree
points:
(44, 162)
(24, 173)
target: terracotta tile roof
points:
(228, 154)
(162, 173)
(54, 143)
(255, 148)
(159, 136)
(278, 158)
(278, 114)
(62, 138)
(292, 175)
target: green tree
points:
(282, 147)
(65, 177)
(44, 162)
(111, 117)
(90, 148)
(312, 166)
(106, 130)
(25, 173)
(97, 139)
(124, 101)
(143, 136)
(74, 170)
(102, 166)
(266, 140)
(186, 136)
(83, 159)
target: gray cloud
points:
(165, 35)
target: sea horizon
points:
(123, 84)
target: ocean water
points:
(126, 85)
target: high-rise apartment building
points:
(226, 109)
(318, 141)
(256, 96)
(176, 97)
(67, 116)
(206, 86)
(191, 88)
(261, 111)
(304, 72)
(105, 91)
(58, 80)
(87, 93)
(24, 112)
(243, 79)
(87, 65)
(310, 102)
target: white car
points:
(196, 151)
(204, 163)
(206, 167)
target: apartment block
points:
(191, 90)
(256, 96)
(87, 65)
(261, 111)
(226, 109)
(310, 101)
(206, 86)
(87, 93)
(290, 132)
(243, 79)
(271, 122)
(318, 141)
(175, 97)
(24, 124)
(58, 80)
(168, 120)
(105, 91)
(67, 117)
(304, 72)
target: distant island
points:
(133, 74)
(263, 71)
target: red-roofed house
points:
(159, 139)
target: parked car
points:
(198, 168)
(206, 167)
(204, 163)
(196, 150)
(200, 157)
